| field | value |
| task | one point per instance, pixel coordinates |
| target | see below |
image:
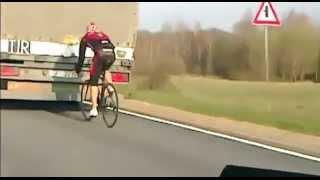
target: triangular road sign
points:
(266, 15)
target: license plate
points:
(63, 74)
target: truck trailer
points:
(40, 44)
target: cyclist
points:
(100, 43)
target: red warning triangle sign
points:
(266, 15)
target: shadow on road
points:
(38, 105)
(67, 109)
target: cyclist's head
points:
(91, 27)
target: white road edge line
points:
(223, 136)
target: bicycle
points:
(104, 106)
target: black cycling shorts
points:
(103, 63)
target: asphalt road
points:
(51, 139)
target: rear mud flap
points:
(3, 84)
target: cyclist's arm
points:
(82, 53)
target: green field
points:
(290, 106)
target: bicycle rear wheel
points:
(85, 103)
(109, 106)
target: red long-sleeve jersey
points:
(96, 41)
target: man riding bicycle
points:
(102, 60)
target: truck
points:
(40, 46)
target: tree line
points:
(294, 50)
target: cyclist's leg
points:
(94, 80)
(100, 68)
(108, 76)
(94, 95)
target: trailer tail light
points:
(9, 71)
(120, 77)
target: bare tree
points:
(299, 46)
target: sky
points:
(220, 15)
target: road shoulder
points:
(307, 144)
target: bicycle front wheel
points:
(85, 103)
(109, 106)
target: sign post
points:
(266, 50)
(266, 16)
